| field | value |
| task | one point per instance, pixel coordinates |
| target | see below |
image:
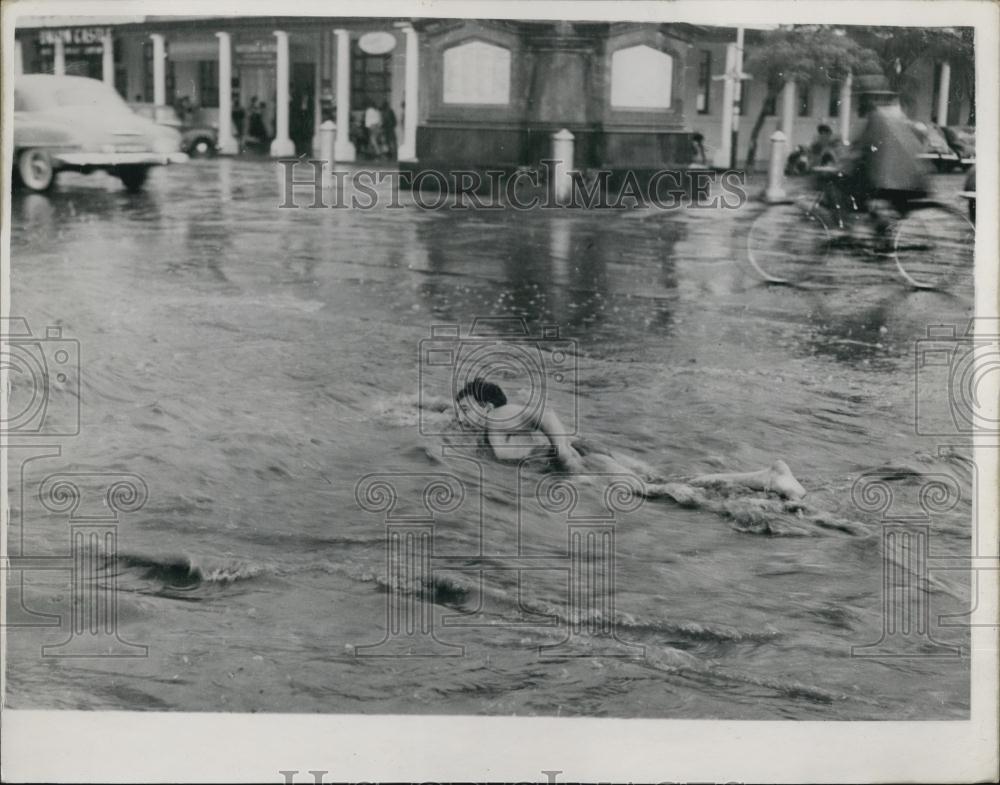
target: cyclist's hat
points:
(872, 84)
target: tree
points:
(899, 48)
(804, 53)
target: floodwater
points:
(252, 364)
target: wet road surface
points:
(252, 364)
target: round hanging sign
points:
(378, 43)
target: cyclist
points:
(882, 170)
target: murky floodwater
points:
(252, 364)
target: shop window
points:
(477, 73)
(771, 106)
(208, 82)
(371, 78)
(147, 84)
(641, 78)
(704, 98)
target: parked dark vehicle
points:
(79, 124)
(952, 147)
(198, 139)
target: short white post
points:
(845, 109)
(18, 58)
(944, 87)
(562, 154)
(327, 140)
(776, 169)
(228, 145)
(108, 59)
(345, 147)
(282, 146)
(159, 70)
(408, 149)
(59, 56)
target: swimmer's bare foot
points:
(781, 480)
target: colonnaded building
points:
(479, 93)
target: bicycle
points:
(931, 243)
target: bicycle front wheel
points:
(787, 243)
(934, 247)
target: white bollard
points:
(562, 154)
(776, 169)
(327, 140)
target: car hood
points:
(96, 126)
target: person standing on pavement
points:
(373, 129)
(388, 130)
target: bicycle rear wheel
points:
(786, 243)
(934, 246)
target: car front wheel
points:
(133, 177)
(202, 147)
(35, 169)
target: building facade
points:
(465, 93)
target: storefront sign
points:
(256, 53)
(378, 43)
(76, 35)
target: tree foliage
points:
(804, 54)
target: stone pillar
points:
(18, 58)
(108, 59)
(159, 69)
(845, 109)
(724, 152)
(345, 148)
(788, 110)
(59, 57)
(282, 146)
(408, 149)
(944, 86)
(228, 144)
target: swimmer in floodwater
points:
(514, 434)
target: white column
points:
(159, 69)
(724, 151)
(282, 146)
(344, 150)
(18, 58)
(845, 109)
(408, 149)
(58, 57)
(788, 110)
(228, 144)
(944, 86)
(108, 59)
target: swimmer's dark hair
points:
(483, 392)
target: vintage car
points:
(947, 148)
(198, 139)
(79, 124)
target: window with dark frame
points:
(833, 104)
(771, 106)
(805, 100)
(703, 101)
(371, 78)
(208, 83)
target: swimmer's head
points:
(484, 395)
